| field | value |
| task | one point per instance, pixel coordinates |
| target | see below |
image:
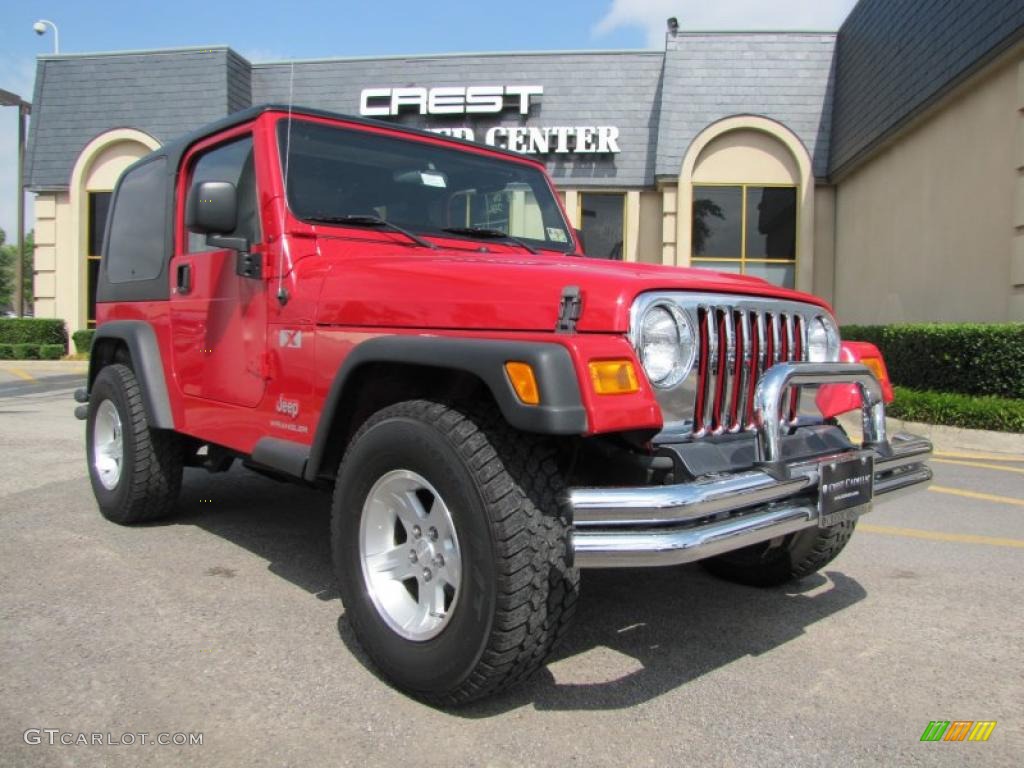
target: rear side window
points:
(138, 225)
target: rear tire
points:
(135, 470)
(771, 564)
(504, 590)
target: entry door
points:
(219, 318)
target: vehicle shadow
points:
(637, 635)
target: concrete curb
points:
(949, 439)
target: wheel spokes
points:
(408, 538)
(395, 563)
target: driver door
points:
(218, 317)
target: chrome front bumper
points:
(673, 524)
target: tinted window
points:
(335, 172)
(746, 229)
(601, 217)
(231, 162)
(99, 206)
(771, 223)
(138, 226)
(718, 222)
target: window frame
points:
(435, 141)
(183, 184)
(192, 160)
(743, 259)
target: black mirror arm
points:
(239, 244)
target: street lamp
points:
(8, 99)
(40, 28)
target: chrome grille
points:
(737, 345)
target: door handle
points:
(184, 284)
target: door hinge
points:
(569, 309)
(249, 264)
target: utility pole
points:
(19, 293)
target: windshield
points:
(336, 172)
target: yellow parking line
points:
(23, 375)
(961, 538)
(976, 495)
(980, 465)
(978, 456)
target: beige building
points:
(885, 177)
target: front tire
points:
(452, 550)
(135, 470)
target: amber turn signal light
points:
(523, 382)
(875, 366)
(613, 377)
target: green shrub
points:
(1002, 414)
(83, 340)
(6, 351)
(51, 351)
(969, 358)
(32, 330)
(26, 351)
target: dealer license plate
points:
(843, 488)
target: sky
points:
(266, 31)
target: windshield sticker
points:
(433, 179)
(556, 234)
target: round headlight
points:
(822, 340)
(667, 345)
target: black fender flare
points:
(560, 412)
(140, 338)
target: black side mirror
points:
(212, 210)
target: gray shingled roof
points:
(164, 94)
(701, 78)
(782, 76)
(894, 59)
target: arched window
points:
(92, 181)
(745, 202)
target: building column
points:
(572, 206)
(669, 197)
(44, 284)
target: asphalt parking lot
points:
(225, 621)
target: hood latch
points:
(569, 309)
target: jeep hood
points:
(506, 290)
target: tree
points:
(8, 256)
(702, 210)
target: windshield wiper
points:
(358, 220)
(490, 234)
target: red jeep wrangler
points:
(408, 320)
